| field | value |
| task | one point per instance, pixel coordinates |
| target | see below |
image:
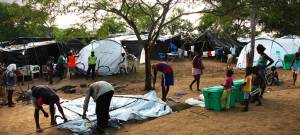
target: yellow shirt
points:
(248, 86)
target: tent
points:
(208, 41)
(275, 48)
(108, 54)
(33, 53)
(164, 43)
(34, 50)
(135, 47)
(131, 43)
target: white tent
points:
(108, 54)
(144, 37)
(275, 48)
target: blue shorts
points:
(167, 79)
(246, 95)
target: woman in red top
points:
(197, 70)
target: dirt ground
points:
(278, 115)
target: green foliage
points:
(110, 25)
(178, 25)
(207, 22)
(21, 21)
(140, 16)
(281, 17)
(64, 35)
(230, 16)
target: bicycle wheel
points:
(80, 68)
(277, 62)
(103, 70)
(80, 65)
(269, 78)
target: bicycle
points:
(102, 70)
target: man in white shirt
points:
(102, 93)
(232, 50)
(233, 53)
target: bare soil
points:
(278, 115)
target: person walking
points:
(102, 93)
(92, 65)
(11, 82)
(262, 65)
(197, 70)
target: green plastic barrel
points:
(287, 62)
(238, 94)
(238, 82)
(212, 97)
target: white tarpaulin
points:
(26, 46)
(123, 107)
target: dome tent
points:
(108, 53)
(273, 49)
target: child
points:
(296, 66)
(133, 61)
(257, 83)
(197, 70)
(228, 83)
(274, 76)
(246, 87)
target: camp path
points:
(278, 115)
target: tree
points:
(178, 25)
(230, 19)
(110, 25)
(279, 16)
(65, 35)
(139, 15)
(275, 16)
(21, 21)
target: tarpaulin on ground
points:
(123, 108)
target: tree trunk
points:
(252, 27)
(147, 66)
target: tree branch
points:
(183, 14)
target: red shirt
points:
(163, 67)
(72, 61)
(228, 83)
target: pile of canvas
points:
(123, 108)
